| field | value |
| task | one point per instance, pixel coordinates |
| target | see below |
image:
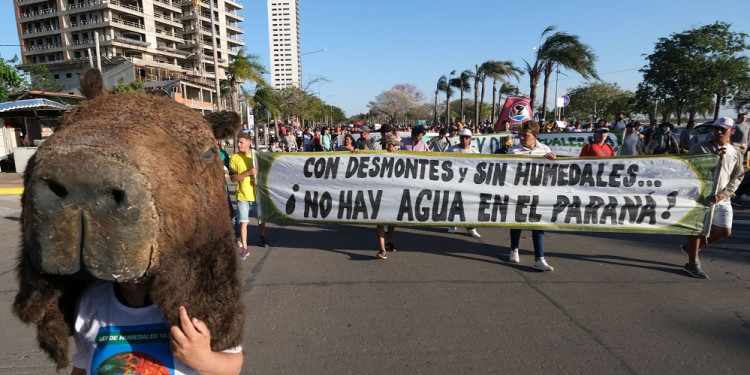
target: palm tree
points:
(435, 117)
(499, 70)
(463, 85)
(479, 77)
(559, 50)
(244, 68)
(444, 85)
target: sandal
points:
(390, 246)
(382, 254)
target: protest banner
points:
(654, 194)
(562, 144)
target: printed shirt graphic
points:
(112, 338)
(139, 349)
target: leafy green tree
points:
(10, 80)
(41, 79)
(687, 66)
(244, 68)
(559, 50)
(122, 87)
(740, 101)
(598, 100)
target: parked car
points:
(705, 131)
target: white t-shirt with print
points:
(110, 335)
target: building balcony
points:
(133, 42)
(29, 2)
(173, 5)
(235, 28)
(120, 6)
(236, 40)
(38, 15)
(86, 6)
(234, 16)
(46, 48)
(83, 24)
(128, 24)
(166, 20)
(233, 4)
(41, 31)
(169, 35)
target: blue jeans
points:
(537, 236)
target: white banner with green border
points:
(647, 194)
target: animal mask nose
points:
(85, 219)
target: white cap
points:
(464, 133)
(724, 122)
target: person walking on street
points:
(242, 172)
(729, 179)
(415, 143)
(619, 123)
(465, 147)
(598, 146)
(663, 141)
(530, 146)
(364, 142)
(390, 143)
(631, 141)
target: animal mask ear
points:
(224, 124)
(92, 84)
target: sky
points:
(373, 45)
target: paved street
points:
(318, 302)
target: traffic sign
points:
(566, 100)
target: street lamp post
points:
(300, 62)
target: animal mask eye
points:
(208, 154)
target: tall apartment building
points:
(167, 44)
(283, 42)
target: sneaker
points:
(390, 246)
(513, 256)
(452, 230)
(263, 242)
(473, 232)
(244, 253)
(542, 265)
(239, 244)
(694, 270)
(382, 254)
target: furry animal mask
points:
(129, 188)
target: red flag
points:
(516, 110)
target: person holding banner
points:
(242, 172)
(530, 146)
(598, 146)
(415, 143)
(439, 143)
(465, 147)
(390, 143)
(729, 178)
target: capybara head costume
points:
(130, 188)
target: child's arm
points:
(191, 343)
